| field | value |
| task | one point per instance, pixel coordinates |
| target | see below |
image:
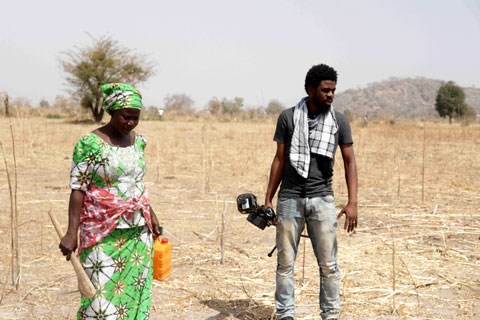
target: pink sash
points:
(101, 212)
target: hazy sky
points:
(258, 50)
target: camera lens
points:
(257, 220)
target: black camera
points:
(259, 216)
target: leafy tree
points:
(104, 61)
(450, 101)
(225, 106)
(232, 107)
(44, 103)
(179, 103)
(274, 107)
(214, 106)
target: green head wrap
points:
(121, 96)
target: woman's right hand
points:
(68, 244)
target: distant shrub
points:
(253, 113)
(225, 106)
(348, 114)
(179, 103)
(469, 116)
(53, 116)
(274, 107)
(151, 113)
(44, 103)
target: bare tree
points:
(7, 105)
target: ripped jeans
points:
(320, 216)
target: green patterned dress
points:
(120, 265)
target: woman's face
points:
(125, 120)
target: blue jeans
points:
(320, 216)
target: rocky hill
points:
(399, 98)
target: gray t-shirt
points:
(319, 180)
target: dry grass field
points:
(409, 259)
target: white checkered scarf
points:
(321, 136)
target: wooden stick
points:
(423, 156)
(158, 162)
(85, 286)
(393, 273)
(41, 237)
(12, 227)
(222, 235)
(5, 282)
(203, 160)
(398, 173)
(16, 265)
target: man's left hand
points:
(350, 212)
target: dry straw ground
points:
(427, 251)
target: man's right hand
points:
(268, 204)
(68, 244)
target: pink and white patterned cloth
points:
(101, 212)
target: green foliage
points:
(469, 116)
(274, 107)
(232, 107)
(178, 103)
(214, 106)
(450, 101)
(53, 116)
(225, 106)
(104, 61)
(44, 103)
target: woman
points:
(109, 204)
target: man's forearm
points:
(276, 173)
(351, 180)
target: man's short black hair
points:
(317, 74)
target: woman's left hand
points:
(156, 228)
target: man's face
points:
(322, 96)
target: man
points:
(307, 137)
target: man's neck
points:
(312, 108)
(314, 111)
